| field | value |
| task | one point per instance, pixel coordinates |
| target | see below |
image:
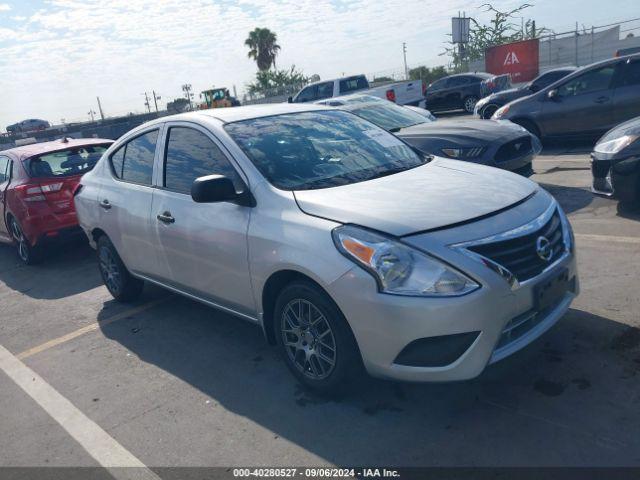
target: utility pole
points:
(155, 99)
(577, 62)
(91, 113)
(146, 102)
(100, 109)
(404, 53)
(186, 88)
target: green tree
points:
(263, 47)
(501, 29)
(429, 75)
(277, 82)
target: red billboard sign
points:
(519, 59)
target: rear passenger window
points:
(592, 81)
(191, 154)
(325, 90)
(134, 161)
(353, 84)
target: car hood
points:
(438, 194)
(507, 95)
(464, 133)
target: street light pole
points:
(146, 102)
(155, 99)
(404, 52)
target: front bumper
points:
(496, 320)
(616, 178)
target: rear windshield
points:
(303, 151)
(65, 163)
(389, 116)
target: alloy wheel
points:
(308, 339)
(110, 270)
(470, 104)
(23, 247)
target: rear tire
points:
(123, 286)
(27, 253)
(315, 339)
(469, 103)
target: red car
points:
(37, 184)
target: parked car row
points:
(584, 104)
(498, 144)
(349, 231)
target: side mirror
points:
(218, 188)
(290, 100)
(553, 95)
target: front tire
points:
(469, 103)
(27, 253)
(315, 339)
(488, 111)
(123, 286)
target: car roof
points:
(351, 100)
(238, 114)
(34, 149)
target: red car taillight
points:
(391, 95)
(31, 192)
(424, 88)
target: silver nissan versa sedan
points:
(343, 243)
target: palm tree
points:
(263, 47)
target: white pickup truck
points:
(409, 92)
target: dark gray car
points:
(488, 105)
(456, 92)
(497, 144)
(584, 104)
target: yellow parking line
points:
(607, 238)
(88, 328)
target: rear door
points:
(5, 177)
(202, 247)
(125, 202)
(435, 94)
(583, 105)
(626, 103)
(455, 91)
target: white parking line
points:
(607, 238)
(98, 443)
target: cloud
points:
(4, 7)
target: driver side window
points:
(191, 154)
(593, 81)
(307, 95)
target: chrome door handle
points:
(166, 218)
(105, 204)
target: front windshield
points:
(388, 115)
(310, 150)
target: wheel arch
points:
(522, 120)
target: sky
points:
(56, 56)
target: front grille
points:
(514, 149)
(600, 168)
(520, 256)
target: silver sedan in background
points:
(348, 247)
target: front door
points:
(583, 105)
(627, 93)
(201, 247)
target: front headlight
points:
(398, 268)
(501, 112)
(614, 146)
(463, 153)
